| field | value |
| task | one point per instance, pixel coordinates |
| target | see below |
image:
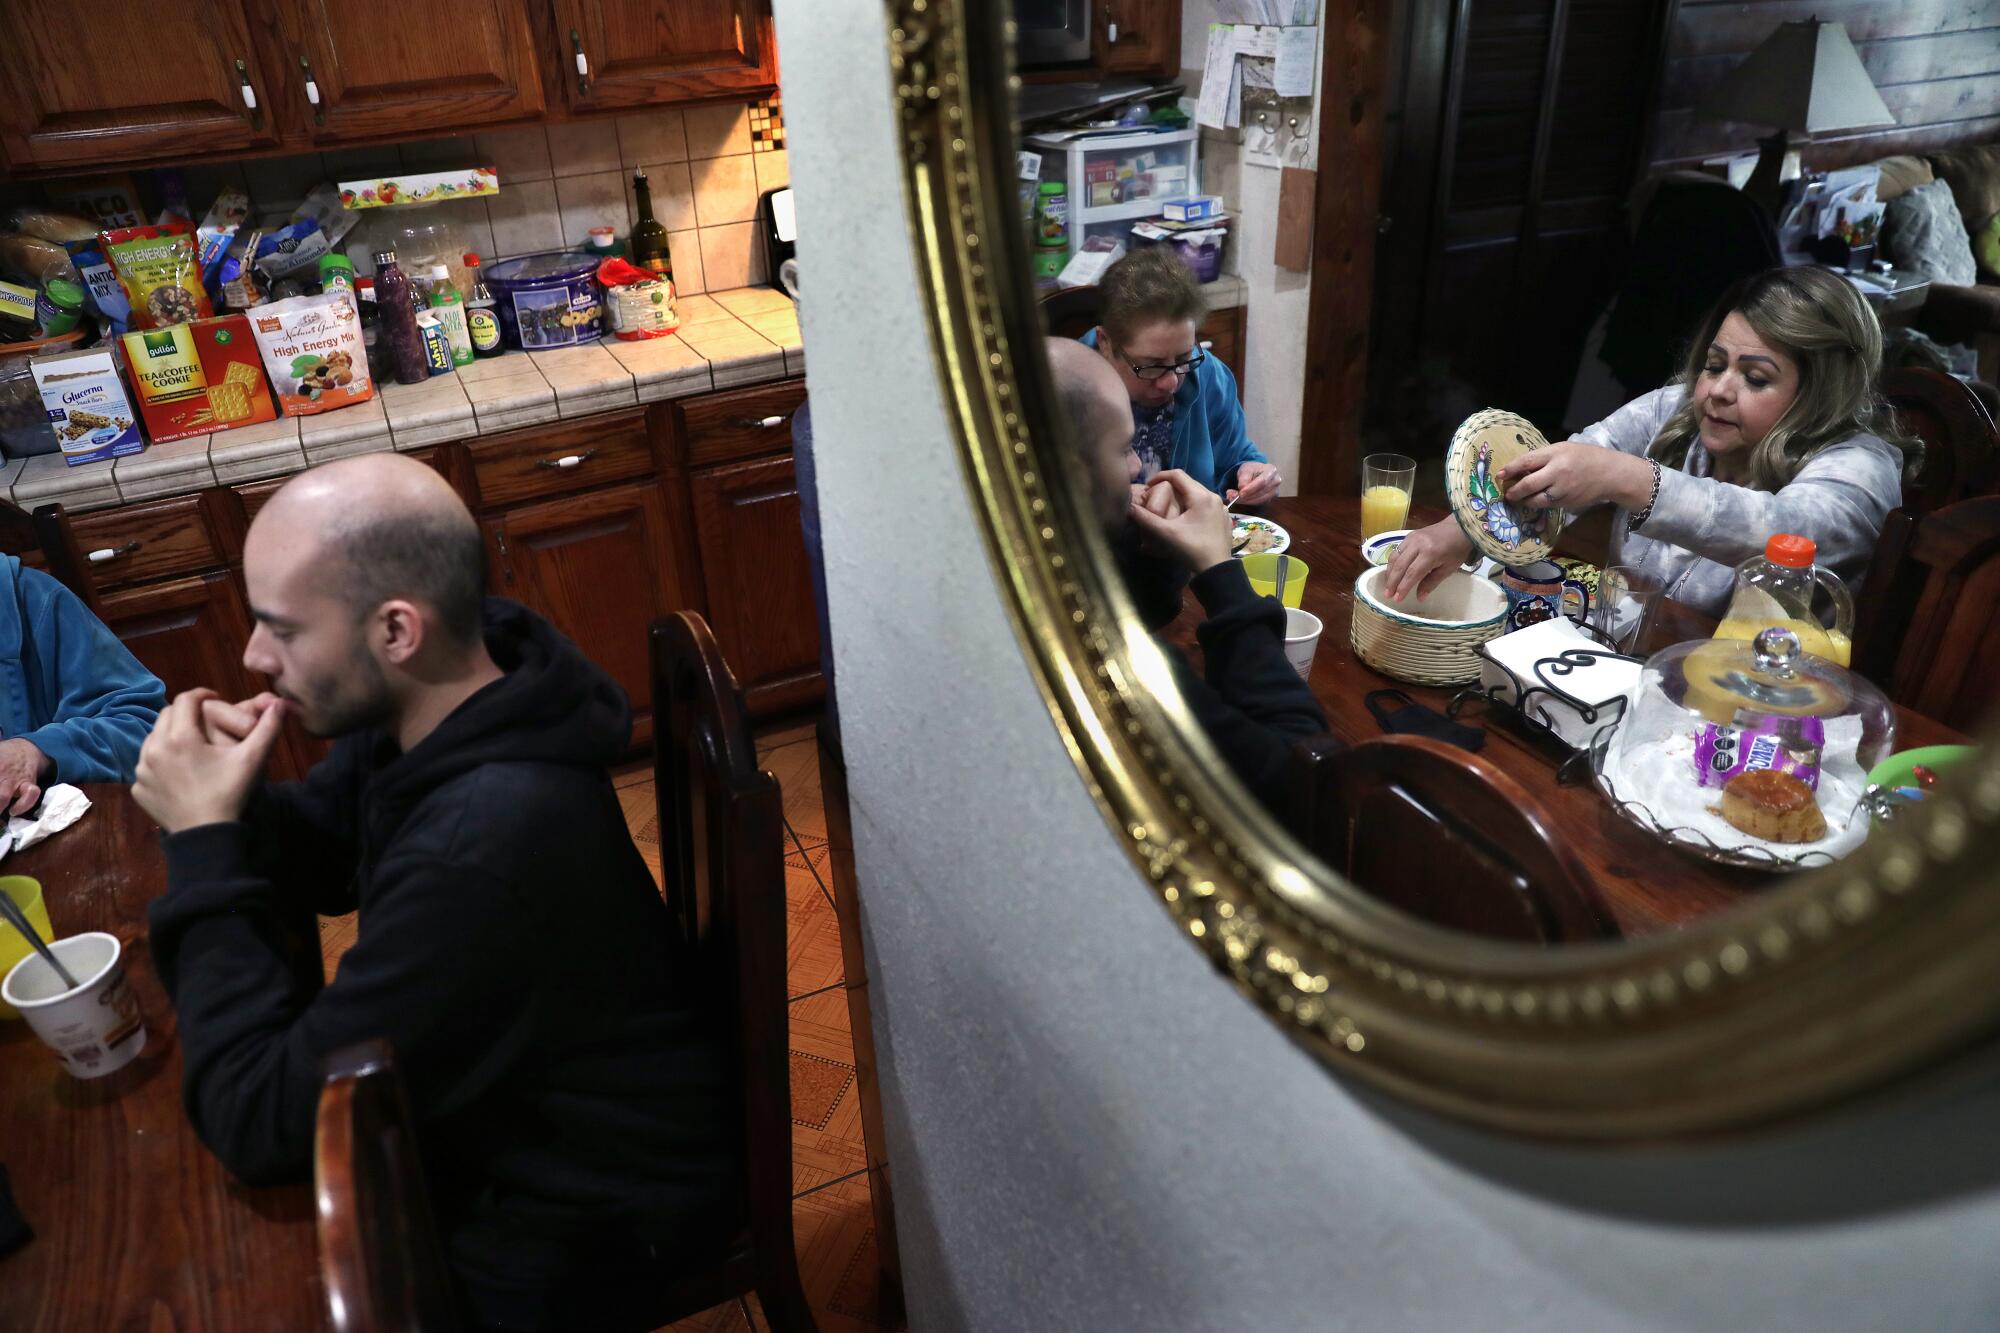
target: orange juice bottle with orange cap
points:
(1779, 588)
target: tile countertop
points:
(726, 339)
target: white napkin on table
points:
(62, 805)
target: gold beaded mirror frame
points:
(1827, 987)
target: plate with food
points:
(1256, 536)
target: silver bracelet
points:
(1632, 523)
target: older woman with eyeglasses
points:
(1185, 411)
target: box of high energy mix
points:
(88, 410)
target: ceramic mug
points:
(1537, 591)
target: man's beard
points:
(355, 700)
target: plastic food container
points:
(547, 300)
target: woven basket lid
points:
(1486, 442)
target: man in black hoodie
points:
(1249, 701)
(572, 1111)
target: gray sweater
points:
(1701, 529)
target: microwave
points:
(1053, 32)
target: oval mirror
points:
(1583, 927)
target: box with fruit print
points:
(429, 188)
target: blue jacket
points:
(67, 684)
(1210, 438)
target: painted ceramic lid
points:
(1486, 442)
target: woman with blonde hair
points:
(1772, 427)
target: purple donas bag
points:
(1783, 745)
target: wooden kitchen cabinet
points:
(189, 632)
(602, 567)
(1221, 333)
(1138, 37)
(386, 67)
(758, 582)
(645, 52)
(125, 80)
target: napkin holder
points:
(1556, 684)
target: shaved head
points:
(1093, 399)
(387, 526)
(367, 580)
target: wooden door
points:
(386, 67)
(638, 52)
(602, 568)
(125, 80)
(758, 580)
(1138, 37)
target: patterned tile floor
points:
(831, 1214)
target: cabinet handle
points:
(506, 561)
(1206, 344)
(567, 460)
(765, 423)
(1111, 30)
(312, 92)
(249, 96)
(105, 553)
(582, 63)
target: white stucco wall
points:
(1088, 1128)
(1275, 339)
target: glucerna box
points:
(88, 410)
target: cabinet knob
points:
(249, 96)
(105, 553)
(567, 460)
(312, 91)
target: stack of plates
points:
(1430, 640)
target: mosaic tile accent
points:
(817, 1087)
(767, 124)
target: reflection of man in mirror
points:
(1185, 412)
(1172, 530)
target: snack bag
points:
(313, 352)
(293, 250)
(158, 268)
(1784, 745)
(101, 285)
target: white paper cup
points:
(96, 1028)
(1301, 640)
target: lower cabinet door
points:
(601, 567)
(191, 632)
(758, 581)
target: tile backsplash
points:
(706, 170)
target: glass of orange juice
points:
(1386, 482)
(27, 895)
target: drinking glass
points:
(1623, 605)
(27, 895)
(1386, 483)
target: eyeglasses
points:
(1157, 371)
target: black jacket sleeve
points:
(1253, 705)
(301, 834)
(438, 972)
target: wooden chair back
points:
(1926, 630)
(1961, 448)
(722, 854)
(46, 534)
(1071, 312)
(1443, 835)
(378, 1248)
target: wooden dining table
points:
(136, 1225)
(1645, 884)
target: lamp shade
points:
(1805, 77)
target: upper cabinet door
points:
(641, 52)
(1139, 37)
(357, 69)
(128, 80)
